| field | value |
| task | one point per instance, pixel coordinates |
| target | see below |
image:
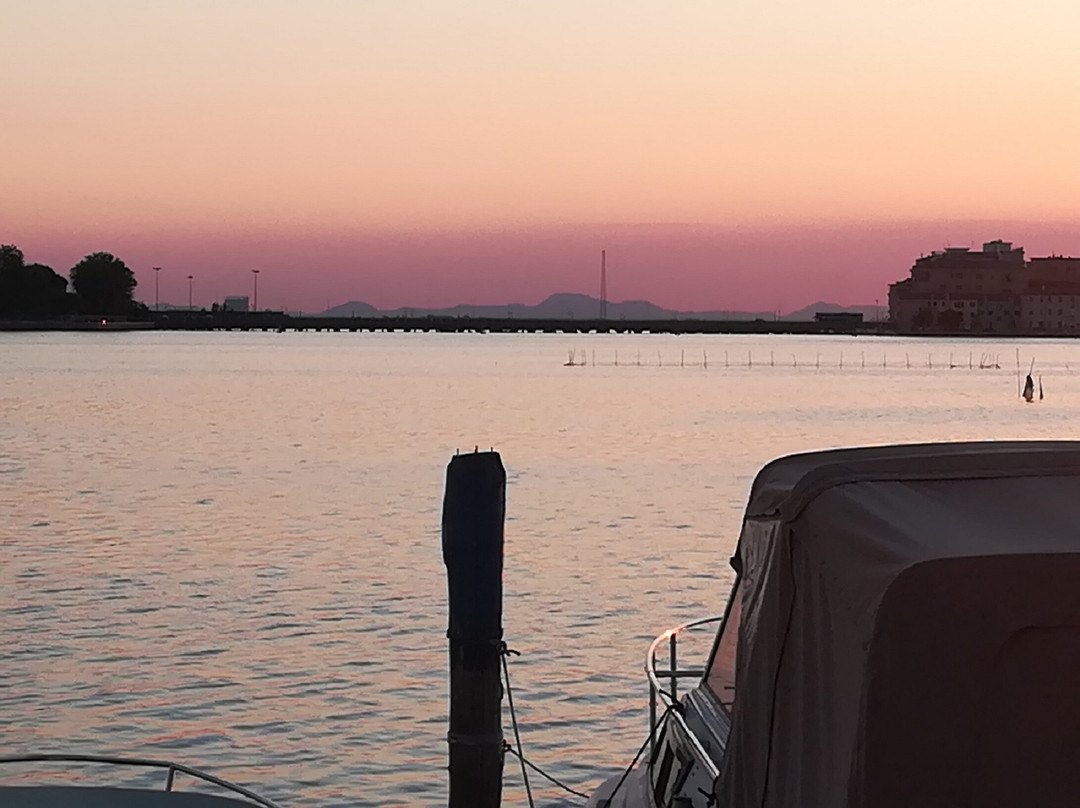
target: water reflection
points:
(224, 547)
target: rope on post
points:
(504, 652)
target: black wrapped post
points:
(474, 508)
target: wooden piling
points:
(474, 510)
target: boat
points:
(903, 630)
(66, 795)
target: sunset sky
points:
(732, 154)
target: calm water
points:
(224, 548)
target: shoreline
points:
(280, 322)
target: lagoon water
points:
(224, 548)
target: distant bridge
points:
(278, 321)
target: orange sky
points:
(328, 142)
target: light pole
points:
(157, 304)
(255, 291)
(189, 288)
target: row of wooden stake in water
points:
(986, 361)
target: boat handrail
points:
(670, 696)
(171, 766)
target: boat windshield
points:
(720, 678)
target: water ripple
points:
(224, 548)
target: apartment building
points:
(993, 290)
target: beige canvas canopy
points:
(910, 630)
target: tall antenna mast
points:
(603, 284)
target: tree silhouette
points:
(103, 284)
(950, 319)
(923, 319)
(10, 257)
(29, 290)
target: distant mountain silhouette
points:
(584, 307)
(573, 306)
(353, 309)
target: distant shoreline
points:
(280, 322)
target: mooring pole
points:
(474, 509)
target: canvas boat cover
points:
(910, 630)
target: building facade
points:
(994, 290)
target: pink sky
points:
(684, 267)
(429, 153)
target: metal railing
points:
(670, 697)
(170, 766)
